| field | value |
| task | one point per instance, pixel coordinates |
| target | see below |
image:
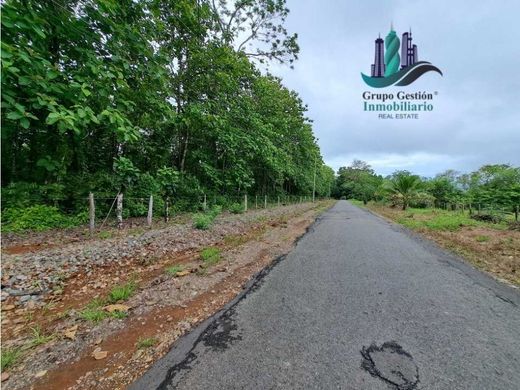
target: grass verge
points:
(489, 246)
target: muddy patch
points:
(392, 364)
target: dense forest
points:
(165, 97)
(494, 187)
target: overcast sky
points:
(476, 119)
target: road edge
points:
(501, 289)
(166, 367)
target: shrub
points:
(210, 255)
(487, 218)
(37, 218)
(202, 221)
(236, 208)
(22, 194)
(422, 200)
(215, 210)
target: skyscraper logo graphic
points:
(391, 69)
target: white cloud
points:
(476, 117)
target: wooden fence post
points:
(278, 200)
(516, 213)
(479, 209)
(265, 201)
(150, 212)
(256, 201)
(204, 204)
(245, 202)
(92, 213)
(119, 211)
(167, 210)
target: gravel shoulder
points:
(73, 275)
(360, 303)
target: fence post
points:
(278, 200)
(516, 213)
(92, 212)
(265, 201)
(245, 202)
(256, 201)
(479, 209)
(470, 210)
(119, 211)
(150, 212)
(205, 203)
(167, 210)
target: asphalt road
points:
(360, 303)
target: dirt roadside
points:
(116, 351)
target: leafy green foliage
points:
(404, 186)
(202, 221)
(148, 97)
(35, 218)
(494, 189)
(358, 181)
(210, 255)
(236, 208)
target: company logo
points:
(391, 69)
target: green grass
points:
(482, 238)
(236, 208)
(202, 221)
(38, 338)
(10, 356)
(210, 255)
(172, 270)
(443, 220)
(95, 313)
(122, 292)
(146, 342)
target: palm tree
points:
(404, 184)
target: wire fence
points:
(485, 211)
(104, 212)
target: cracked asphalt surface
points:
(360, 303)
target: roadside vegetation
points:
(80, 115)
(474, 215)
